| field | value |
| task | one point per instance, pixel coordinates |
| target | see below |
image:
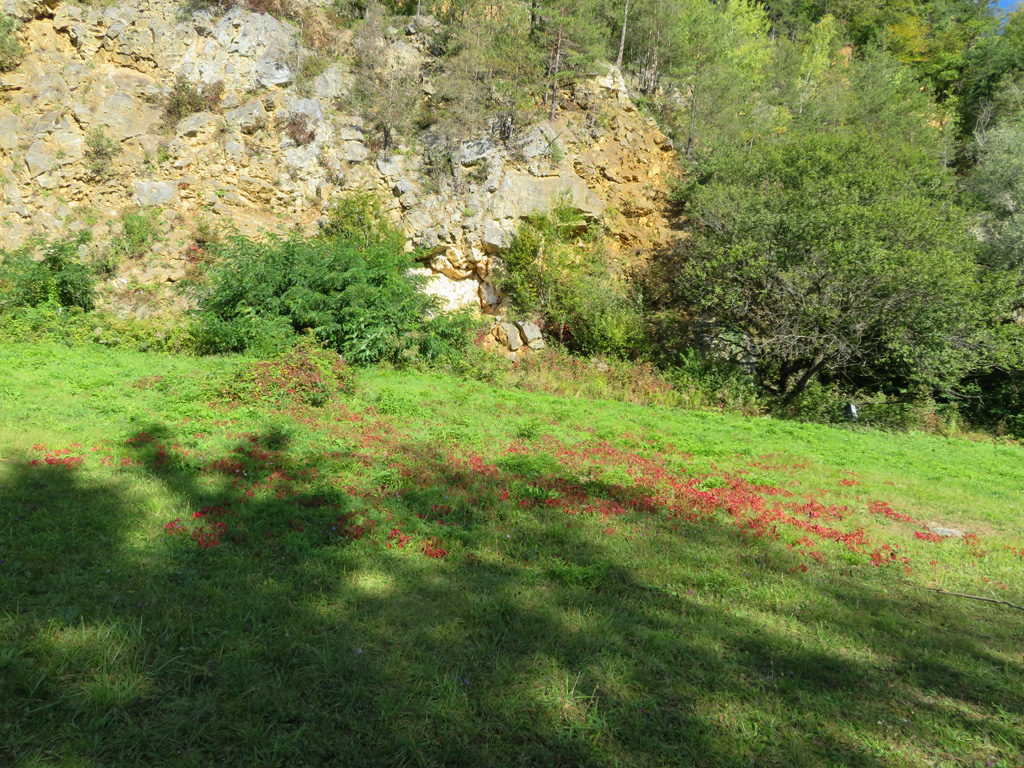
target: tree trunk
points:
(554, 77)
(649, 75)
(817, 365)
(693, 117)
(622, 37)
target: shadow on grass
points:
(535, 643)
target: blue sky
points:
(1008, 3)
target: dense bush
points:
(995, 399)
(57, 278)
(359, 217)
(838, 255)
(555, 270)
(358, 299)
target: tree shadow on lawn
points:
(291, 645)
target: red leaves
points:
(205, 536)
(882, 508)
(208, 536)
(432, 548)
(398, 538)
(58, 457)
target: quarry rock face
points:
(271, 154)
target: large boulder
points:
(9, 127)
(247, 118)
(530, 333)
(39, 159)
(453, 294)
(507, 334)
(151, 193)
(123, 116)
(522, 194)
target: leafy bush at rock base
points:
(58, 278)
(555, 269)
(358, 299)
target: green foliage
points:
(100, 152)
(11, 50)
(73, 327)
(995, 399)
(388, 90)
(138, 234)
(555, 269)
(356, 298)
(392, 403)
(58, 278)
(571, 36)
(996, 184)
(489, 71)
(995, 61)
(838, 254)
(359, 216)
(825, 404)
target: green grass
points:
(614, 585)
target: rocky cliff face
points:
(276, 148)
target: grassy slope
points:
(622, 585)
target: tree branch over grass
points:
(976, 597)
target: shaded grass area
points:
(617, 586)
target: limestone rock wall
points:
(111, 68)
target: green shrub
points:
(11, 50)
(59, 278)
(818, 403)
(360, 217)
(706, 382)
(995, 399)
(74, 326)
(100, 152)
(556, 270)
(357, 299)
(138, 233)
(185, 99)
(825, 404)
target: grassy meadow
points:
(212, 561)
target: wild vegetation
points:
(10, 49)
